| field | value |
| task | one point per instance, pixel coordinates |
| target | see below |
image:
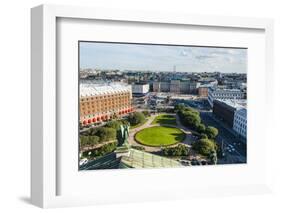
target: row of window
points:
(105, 102)
(240, 127)
(242, 119)
(106, 97)
(228, 95)
(104, 105)
(241, 131)
(240, 124)
(102, 113)
(97, 109)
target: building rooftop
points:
(136, 159)
(217, 89)
(140, 83)
(141, 159)
(87, 89)
(235, 103)
(205, 86)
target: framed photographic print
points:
(154, 106)
(141, 108)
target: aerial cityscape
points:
(161, 106)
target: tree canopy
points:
(136, 118)
(190, 117)
(213, 157)
(106, 134)
(204, 146)
(211, 132)
(179, 107)
(201, 128)
(89, 140)
(179, 150)
(114, 124)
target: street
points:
(234, 148)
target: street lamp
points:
(89, 154)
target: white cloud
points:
(161, 57)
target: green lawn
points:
(160, 136)
(165, 119)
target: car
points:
(83, 161)
(193, 162)
(188, 163)
(185, 162)
(203, 162)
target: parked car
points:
(203, 162)
(83, 161)
(185, 162)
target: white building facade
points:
(224, 94)
(176, 86)
(140, 89)
(240, 122)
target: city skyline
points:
(162, 57)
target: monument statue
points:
(126, 134)
(123, 135)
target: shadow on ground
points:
(24, 199)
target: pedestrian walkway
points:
(187, 141)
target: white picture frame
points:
(44, 169)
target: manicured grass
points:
(165, 119)
(160, 136)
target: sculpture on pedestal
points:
(123, 135)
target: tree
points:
(114, 116)
(180, 150)
(105, 149)
(84, 140)
(106, 134)
(93, 140)
(114, 124)
(201, 128)
(88, 140)
(191, 119)
(204, 146)
(141, 148)
(125, 122)
(185, 152)
(91, 131)
(165, 151)
(213, 157)
(136, 118)
(146, 113)
(211, 132)
(203, 136)
(189, 109)
(179, 107)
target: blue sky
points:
(162, 58)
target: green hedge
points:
(101, 151)
(179, 150)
